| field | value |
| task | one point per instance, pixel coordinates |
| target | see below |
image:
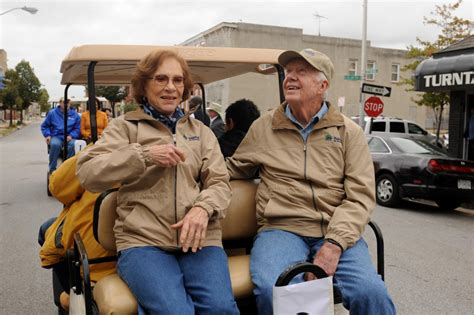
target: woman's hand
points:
(193, 229)
(166, 155)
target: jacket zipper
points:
(311, 185)
(175, 189)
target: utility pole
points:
(319, 17)
(363, 62)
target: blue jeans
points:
(178, 283)
(55, 146)
(43, 228)
(362, 289)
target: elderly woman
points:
(174, 189)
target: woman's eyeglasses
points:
(162, 80)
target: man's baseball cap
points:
(317, 59)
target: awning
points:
(445, 74)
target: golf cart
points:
(114, 65)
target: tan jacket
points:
(322, 188)
(152, 198)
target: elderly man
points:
(52, 129)
(217, 124)
(316, 192)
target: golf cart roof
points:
(116, 63)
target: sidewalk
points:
(6, 130)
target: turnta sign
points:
(449, 79)
(376, 90)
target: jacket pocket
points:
(279, 204)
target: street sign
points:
(353, 77)
(376, 89)
(373, 106)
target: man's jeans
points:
(362, 290)
(178, 283)
(55, 146)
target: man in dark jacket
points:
(238, 118)
(52, 129)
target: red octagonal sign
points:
(373, 106)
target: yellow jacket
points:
(102, 122)
(76, 216)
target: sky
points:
(45, 38)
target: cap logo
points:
(309, 52)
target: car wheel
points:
(448, 204)
(387, 191)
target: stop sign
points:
(373, 106)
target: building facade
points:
(384, 67)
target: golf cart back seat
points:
(112, 295)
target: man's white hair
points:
(321, 77)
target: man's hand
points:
(166, 155)
(327, 258)
(48, 139)
(193, 229)
(68, 138)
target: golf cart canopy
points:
(114, 64)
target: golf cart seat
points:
(112, 296)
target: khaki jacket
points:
(76, 217)
(152, 198)
(321, 188)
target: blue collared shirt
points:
(305, 131)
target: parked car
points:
(406, 167)
(382, 125)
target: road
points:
(429, 254)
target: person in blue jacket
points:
(52, 129)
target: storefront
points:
(452, 70)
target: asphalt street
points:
(429, 254)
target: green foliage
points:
(128, 107)
(113, 94)
(28, 85)
(453, 29)
(43, 100)
(9, 94)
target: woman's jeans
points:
(362, 289)
(178, 283)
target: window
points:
(370, 71)
(376, 145)
(415, 129)
(352, 67)
(395, 72)
(378, 126)
(396, 126)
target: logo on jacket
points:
(191, 138)
(331, 138)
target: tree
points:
(453, 29)
(28, 86)
(9, 95)
(113, 94)
(43, 100)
